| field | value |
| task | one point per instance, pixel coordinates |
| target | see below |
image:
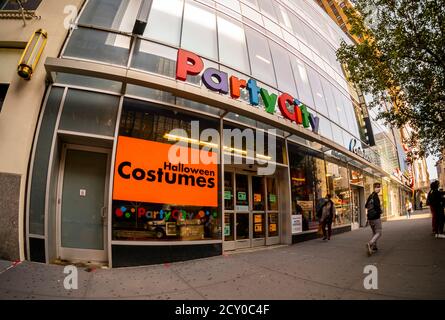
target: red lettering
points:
(235, 86)
(285, 97)
(188, 63)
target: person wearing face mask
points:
(374, 210)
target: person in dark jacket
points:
(436, 202)
(327, 216)
(374, 211)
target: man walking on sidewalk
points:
(374, 210)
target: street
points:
(410, 264)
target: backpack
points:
(372, 213)
(319, 209)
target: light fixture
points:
(31, 54)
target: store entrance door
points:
(251, 218)
(82, 198)
(357, 207)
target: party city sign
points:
(189, 63)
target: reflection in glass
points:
(272, 196)
(228, 191)
(242, 192)
(113, 14)
(89, 112)
(273, 225)
(242, 226)
(98, 45)
(260, 58)
(232, 44)
(229, 222)
(164, 22)
(199, 30)
(258, 193)
(259, 225)
(154, 58)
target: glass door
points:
(258, 211)
(242, 211)
(273, 221)
(229, 211)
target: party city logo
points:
(189, 63)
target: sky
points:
(431, 161)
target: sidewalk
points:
(417, 214)
(410, 262)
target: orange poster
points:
(143, 173)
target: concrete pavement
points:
(410, 264)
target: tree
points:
(402, 58)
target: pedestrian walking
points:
(374, 210)
(409, 209)
(326, 214)
(436, 202)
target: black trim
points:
(135, 255)
(37, 249)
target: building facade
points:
(246, 96)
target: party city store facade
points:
(217, 127)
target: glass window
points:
(325, 127)
(89, 112)
(88, 82)
(272, 28)
(266, 6)
(283, 17)
(272, 196)
(302, 81)
(228, 191)
(330, 101)
(283, 69)
(13, 5)
(251, 14)
(338, 187)
(154, 58)
(41, 161)
(164, 22)
(260, 59)
(317, 92)
(337, 134)
(98, 45)
(232, 4)
(114, 14)
(159, 221)
(232, 44)
(242, 192)
(199, 30)
(258, 193)
(149, 93)
(308, 184)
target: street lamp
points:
(32, 53)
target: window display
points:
(338, 185)
(153, 199)
(308, 184)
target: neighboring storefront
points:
(103, 186)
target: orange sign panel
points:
(143, 173)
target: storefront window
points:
(154, 198)
(308, 184)
(338, 187)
